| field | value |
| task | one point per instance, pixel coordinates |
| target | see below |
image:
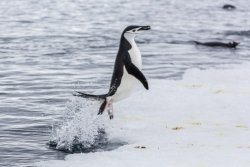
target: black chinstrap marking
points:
(136, 26)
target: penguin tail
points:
(196, 42)
(85, 95)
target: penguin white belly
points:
(126, 87)
(128, 82)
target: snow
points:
(199, 121)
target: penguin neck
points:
(127, 41)
(130, 38)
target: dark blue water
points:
(48, 48)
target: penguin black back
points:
(218, 44)
(228, 7)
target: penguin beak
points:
(144, 28)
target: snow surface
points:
(202, 120)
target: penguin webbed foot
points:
(111, 116)
(106, 106)
(110, 111)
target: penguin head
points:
(135, 29)
(233, 44)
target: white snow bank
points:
(200, 121)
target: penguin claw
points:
(111, 117)
(99, 113)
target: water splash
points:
(80, 129)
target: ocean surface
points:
(50, 48)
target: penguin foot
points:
(111, 116)
(106, 106)
(110, 111)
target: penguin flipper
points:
(133, 70)
(85, 95)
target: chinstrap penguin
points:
(218, 44)
(127, 70)
(228, 7)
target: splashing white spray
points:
(80, 125)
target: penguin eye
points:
(133, 30)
